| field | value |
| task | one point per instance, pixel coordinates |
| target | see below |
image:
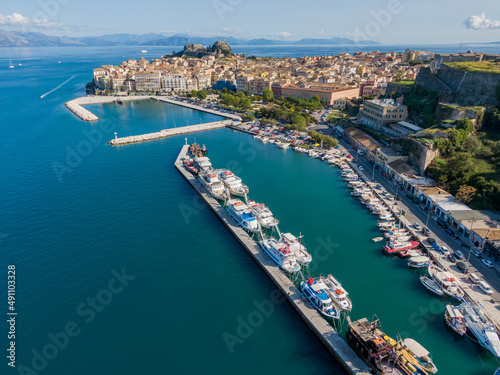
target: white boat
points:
(385, 216)
(420, 261)
(447, 281)
(243, 216)
(280, 254)
(315, 292)
(233, 183)
(478, 323)
(299, 250)
(272, 140)
(143, 51)
(11, 65)
(419, 357)
(377, 239)
(431, 285)
(203, 163)
(214, 186)
(263, 214)
(264, 140)
(455, 320)
(337, 293)
(283, 145)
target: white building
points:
(173, 83)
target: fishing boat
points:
(315, 292)
(214, 186)
(233, 183)
(119, 101)
(189, 165)
(263, 214)
(243, 216)
(374, 347)
(431, 285)
(413, 358)
(447, 281)
(299, 250)
(393, 247)
(420, 261)
(480, 325)
(455, 320)
(337, 293)
(280, 254)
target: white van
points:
(474, 278)
(485, 287)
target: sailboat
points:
(19, 63)
(11, 65)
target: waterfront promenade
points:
(325, 332)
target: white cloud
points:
(481, 23)
(17, 19)
(284, 34)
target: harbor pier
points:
(323, 330)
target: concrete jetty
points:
(81, 112)
(325, 332)
(169, 132)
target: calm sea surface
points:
(114, 248)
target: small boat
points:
(119, 101)
(11, 65)
(283, 145)
(431, 285)
(337, 293)
(263, 214)
(19, 63)
(415, 356)
(315, 292)
(280, 254)
(143, 51)
(243, 216)
(299, 250)
(264, 140)
(189, 165)
(393, 247)
(377, 239)
(447, 281)
(455, 320)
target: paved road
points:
(414, 213)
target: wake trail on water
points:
(58, 87)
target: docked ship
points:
(455, 319)
(243, 216)
(280, 254)
(299, 250)
(315, 292)
(420, 261)
(413, 358)
(214, 186)
(263, 214)
(479, 324)
(337, 293)
(447, 281)
(429, 284)
(203, 163)
(189, 165)
(393, 247)
(233, 183)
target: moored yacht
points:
(233, 183)
(480, 325)
(337, 293)
(280, 254)
(420, 261)
(447, 281)
(243, 216)
(203, 163)
(299, 250)
(263, 214)
(315, 291)
(429, 284)
(393, 247)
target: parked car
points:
(459, 254)
(476, 252)
(444, 250)
(416, 226)
(488, 263)
(425, 231)
(462, 267)
(452, 258)
(485, 287)
(431, 240)
(441, 223)
(361, 168)
(378, 186)
(450, 232)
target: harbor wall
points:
(325, 332)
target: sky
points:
(383, 21)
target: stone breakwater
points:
(81, 112)
(169, 132)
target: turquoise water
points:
(68, 221)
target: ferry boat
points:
(203, 163)
(315, 292)
(455, 320)
(419, 262)
(393, 247)
(263, 214)
(299, 250)
(413, 358)
(447, 281)
(429, 284)
(214, 186)
(479, 324)
(337, 293)
(376, 349)
(233, 183)
(280, 254)
(243, 216)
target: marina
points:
(324, 331)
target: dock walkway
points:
(325, 332)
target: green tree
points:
(245, 104)
(267, 95)
(473, 145)
(466, 125)
(202, 95)
(465, 193)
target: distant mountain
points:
(19, 39)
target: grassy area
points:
(477, 67)
(404, 82)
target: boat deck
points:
(323, 330)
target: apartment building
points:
(173, 83)
(145, 81)
(383, 114)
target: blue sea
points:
(121, 269)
